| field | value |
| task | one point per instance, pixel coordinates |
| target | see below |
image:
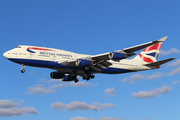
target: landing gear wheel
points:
(23, 70)
(76, 80)
(84, 78)
(88, 78)
(92, 76)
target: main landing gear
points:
(22, 68)
(88, 77)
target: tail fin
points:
(150, 54)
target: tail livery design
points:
(149, 54)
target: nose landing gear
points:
(22, 68)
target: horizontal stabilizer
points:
(159, 62)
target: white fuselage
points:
(50, 58)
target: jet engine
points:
(82, 62)
(116, 56)
(56, 75)
(69, 78)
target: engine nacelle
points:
(116, 56)
(82, 62)
(56, 75)
(69, 78)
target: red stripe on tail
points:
(154, 47)
(149, 60)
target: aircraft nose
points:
(5, 55)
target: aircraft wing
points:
(128, 52)
(138, 47)
(100, 61)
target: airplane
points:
(69, 65)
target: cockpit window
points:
(18, 47)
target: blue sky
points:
(90, 27)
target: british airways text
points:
(55, 54)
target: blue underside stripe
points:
(53, 64)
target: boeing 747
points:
(69, 65)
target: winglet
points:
(163, 39)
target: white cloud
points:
(82, 84)
(75, 105)
(60, 85)
(154, 76)
(136, 77)
(171, 51)
(110, 92)
(101, 106)
(7, 104)
(101, 118)
(9, 108)
(73, 84)
(175, 82)
(39, 89)
(42, 89)
(152, 93)
(81, 118)
(58, 105)
(109, 118)
(54, 80)
(17, 111)
(123, 80)
(174, 64)
(175, 71)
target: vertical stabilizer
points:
(150, 54)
